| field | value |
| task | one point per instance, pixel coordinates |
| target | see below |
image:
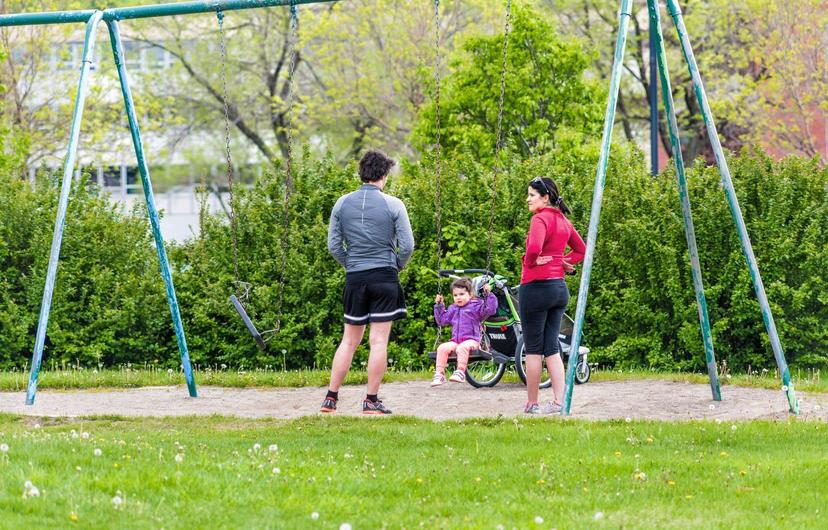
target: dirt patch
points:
(643, 399)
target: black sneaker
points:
(374, 407)
(329, 405)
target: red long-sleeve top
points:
(550, 232)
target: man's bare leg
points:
(378, 357)
(351, 337)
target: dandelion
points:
(30, 490)
(273, 448)
(733, 427)
(712, 406)
(169, 371)
(179, 458)
(618, 453)
(649, 439)
(784, 388)
(315, 515)
(4, 448)
(538, 519)
(97, 452)
(628, 419)
(73, 516)
(276, 470)
(117, 500)
(598, 516)
(256, 447)
(85, 435)
(36, 425)
(345, 526)
(671, 482)
(640, 476)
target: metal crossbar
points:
(153, 11)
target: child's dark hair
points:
(546, 186)
(374, 165)
(463, 283)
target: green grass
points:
(400, 472)
(125, 377)
(130, 377)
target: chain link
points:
(293, 38)
(507, 30)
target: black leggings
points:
(542, 304)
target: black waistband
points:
(378, 275)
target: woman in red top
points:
(543, 292)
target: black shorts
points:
(542, 304)
(374, 295)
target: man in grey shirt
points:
(370, 235)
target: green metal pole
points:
(689, 230)
(63, 203)
(118, 52)
(733, 202)
(160, 10)
(597, 197)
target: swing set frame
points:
(112, 17)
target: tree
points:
(784, 74)
(356, 80)
(547, 93)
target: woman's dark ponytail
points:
(547, 186)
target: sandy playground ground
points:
(643, 399)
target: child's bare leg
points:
(443, 351)
(463, 350)
(555, 367)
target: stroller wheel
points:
(582, 372)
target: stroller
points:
(501, 340)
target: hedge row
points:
(109, 306)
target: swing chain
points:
(439, 146)
(293, 38)
(499, 139)
(438, 158)
(232, 212)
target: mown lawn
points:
(324, 472)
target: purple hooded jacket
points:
(465, 321)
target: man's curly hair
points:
(374, 165)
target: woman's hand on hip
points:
(543, 260)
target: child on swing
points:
(465, 316)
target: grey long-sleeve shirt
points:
(370, 229)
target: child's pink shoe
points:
(438, 379)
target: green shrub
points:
(108, 305)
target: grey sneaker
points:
(328, 405)
(552, 408)
(374, 407)
(532, 408)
